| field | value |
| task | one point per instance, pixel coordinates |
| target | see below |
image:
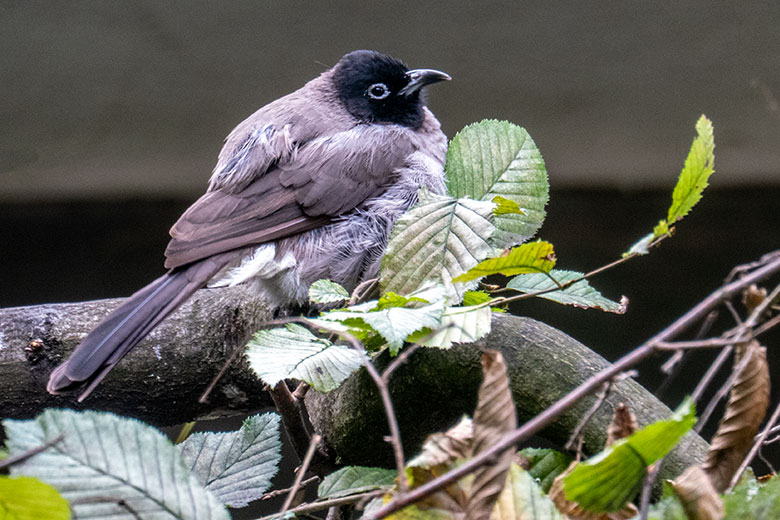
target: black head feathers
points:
(376, 88)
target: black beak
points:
(419, 78)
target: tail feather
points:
(125, 327)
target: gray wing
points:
(319, 180)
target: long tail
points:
(124, 328)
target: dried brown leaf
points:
(622, 425)
(445, 448)
(698, 496)
(748, 401)
(493, 418)
(753, 296)
(573, 511)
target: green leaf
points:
(435, 241)
(293, 352)
(496, 158)
(391, 299)
(698, 167)
(533, 257)
(236, 466)
(579, 294)
(751, 500)
(458, 325)
(325, 291)
(545, 465)
(27, 498)
(394, 324)
(522, 498)
(355, 479)
(108, 466)
(669, 508)
(505, 206)
(607, 481)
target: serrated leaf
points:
(236, 466)
(523, 499)
(111, 466)
(497, 158)
(475, 298)
(699, 165)
(391, 299)
(293, 352)
(607, 481)
(27, 498)
(394, 324)
(457, 325)
(579, 294)
(505, 206)
(325, 291)
(355, 479)
(533, 257)
(435, 241)
(544, 464)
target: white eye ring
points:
(378, 91)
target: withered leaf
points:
(698, 496)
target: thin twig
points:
(756, 446)
(327, 504)
(721, 393)
(647, 488)
(16, 459)
(712, 370)
(600, 399)
(289, 409)
(402, 500)
(315, 440)
(399, 360)
(278, 492)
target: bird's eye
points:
(378, 91)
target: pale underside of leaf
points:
(579, 294)
(355, 479)
(325, 291)
(236, 466)
(496, 158)
(445, 448)
(295, 353)
(523, 499)
(458, 325)
(111, 466)
(436, 241)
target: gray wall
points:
(134, 98)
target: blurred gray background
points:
(112, 114)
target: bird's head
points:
(376, 88)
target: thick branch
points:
(159, 381)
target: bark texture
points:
(161, 380)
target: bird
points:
(308, 187)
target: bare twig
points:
(770, 266)
(327, 504)
(288, 408)
(721, 393)
(756, 446)
(278, 492)
(315, 440)
(713, 369)
(607, 388)
(16, 459)
(647, 488)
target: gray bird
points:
(308, 187)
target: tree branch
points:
(159, 381)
